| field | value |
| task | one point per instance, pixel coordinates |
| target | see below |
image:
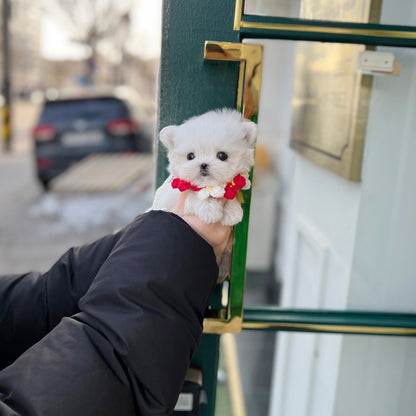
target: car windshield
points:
(98, 109)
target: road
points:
(37, 227)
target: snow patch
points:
(66, 212)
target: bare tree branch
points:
(90, 21)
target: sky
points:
(145, 39)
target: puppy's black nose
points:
(204, 169)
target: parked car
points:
(73, 127)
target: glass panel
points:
(306, 223)
(324, 375)
(326, 242)
(314, 374)
(284, 8)
(244, 375)
(353, 11)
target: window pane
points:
(353, 11)
(327, 241)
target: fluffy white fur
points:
(205, 136)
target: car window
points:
(97, 109)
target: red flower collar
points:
(235, 185)
(183, 185)
(230, 190)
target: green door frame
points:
(189, 86)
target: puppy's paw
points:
(208, 210)
(233, 213)
(209, 214)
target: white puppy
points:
(210, 157)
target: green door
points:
(203, 67)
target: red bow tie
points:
(230, 189)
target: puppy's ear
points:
(250, 130)
(167, 136)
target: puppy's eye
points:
(190, 156)
(222, 156)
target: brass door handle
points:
(229, 318)
(249, 80)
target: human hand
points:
(216, 234)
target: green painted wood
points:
(403, 41)
(190, 86)
(238, 270)
(207, 358)
(270, 315)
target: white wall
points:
(384, 262)
(316, 249)
(318, 213)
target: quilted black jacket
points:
(111, 327)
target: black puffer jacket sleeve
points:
(33, 303)
(127, 350)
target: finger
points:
(215, 234)
(180, 205)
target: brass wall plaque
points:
(330, 106)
